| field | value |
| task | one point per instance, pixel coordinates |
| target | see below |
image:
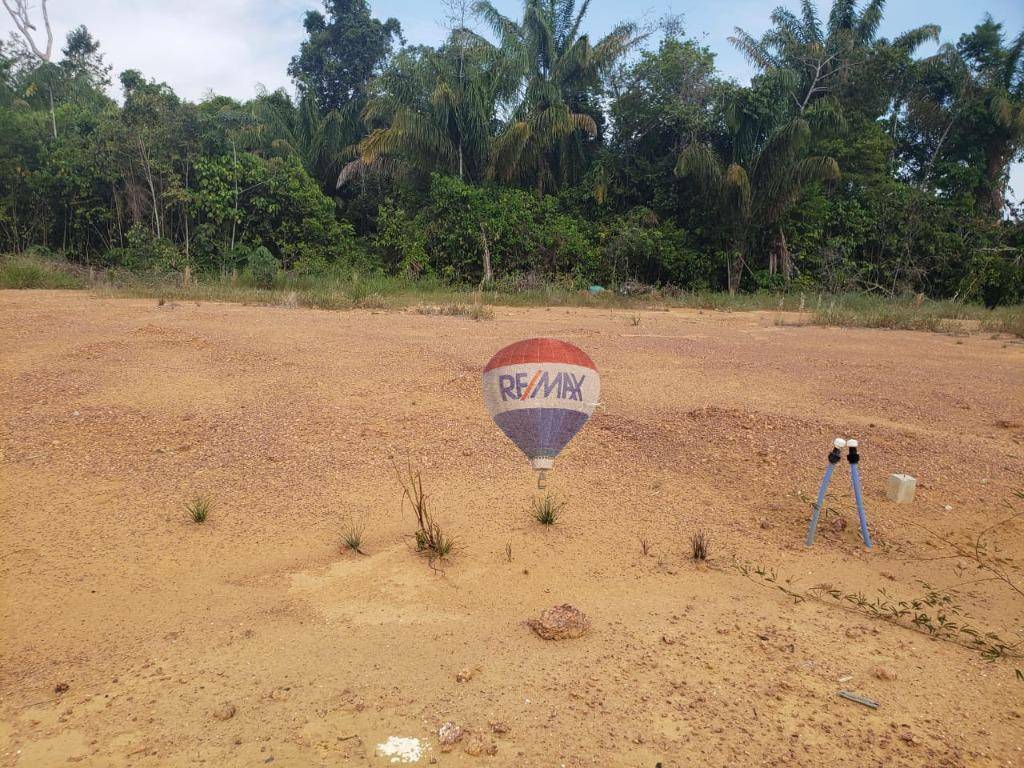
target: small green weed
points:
(547, 510)
(199, 509)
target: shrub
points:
(144, 252)
(995, 277)
(282, 207)
(262, 267)
(638, 246)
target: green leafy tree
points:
(83, 60)
(244, 199)
(343, 51)
(659, 104)
(964, 119)
(995, 119)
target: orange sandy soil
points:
(115, 412)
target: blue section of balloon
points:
(541, 432)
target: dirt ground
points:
(116, 412)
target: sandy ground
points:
(116, 412)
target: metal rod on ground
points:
(854, 458)
(833, 458)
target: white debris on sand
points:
(401, 749)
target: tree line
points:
(525, 149)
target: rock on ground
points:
(448, 735)
(562, 622)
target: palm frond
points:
(869, 22)
(913, 39)
(752, 50)
(737, 191)
(811, 24)
(703, 164)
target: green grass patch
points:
(345, 290)
(23, 271)
(909, 314)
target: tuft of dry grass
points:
(475, 311)
(352, 537)
(1005, 320)
(373, 301)
(431, 539)
(699, 546)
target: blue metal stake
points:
(855, 476)
(833, 459)
(817, 507)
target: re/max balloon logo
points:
(520, 386)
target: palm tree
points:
(545, 140)
(820, 60)
(318, 139)
(760, 181)
(434, 109)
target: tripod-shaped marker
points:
(834, 457)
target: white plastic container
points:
(901, 488)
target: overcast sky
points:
(229, 46)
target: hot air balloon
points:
(540, 392)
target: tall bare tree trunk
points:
(488, 275)
(188, 258)
(734, 271)
(785, 258)
(234, 216)
(53, 114)
(152, 187)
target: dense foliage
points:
(522, 150)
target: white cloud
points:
(227, 46)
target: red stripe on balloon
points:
(540, 351)
(529, 387)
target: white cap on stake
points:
(840, 443)
(851, 443)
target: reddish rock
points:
(561, 622)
